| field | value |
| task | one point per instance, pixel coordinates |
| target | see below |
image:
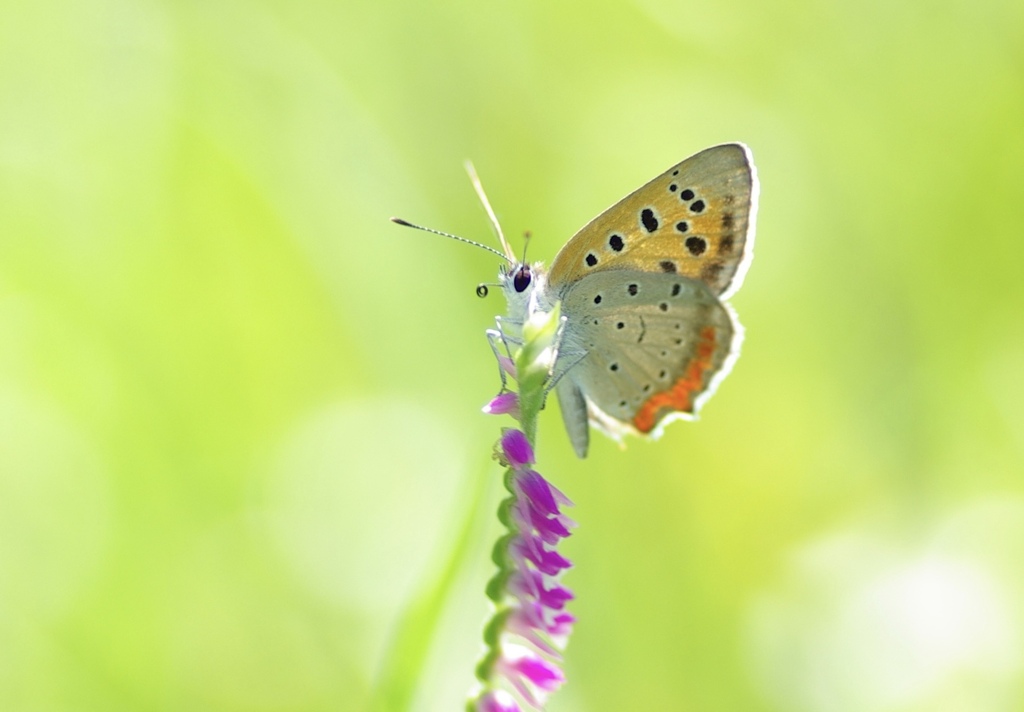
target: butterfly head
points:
(521, 278)
(522, 284)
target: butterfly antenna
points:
(526, 243)
(479, 188)
(406, 223)
(483, 289)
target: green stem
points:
(533, 367)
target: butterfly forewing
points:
(694, 220)
(652, 345)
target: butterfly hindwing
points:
(651, 345)
(694, 220)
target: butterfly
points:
(647, 333)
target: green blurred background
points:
(242, 463)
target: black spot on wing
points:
(696, 245)
(649, 220)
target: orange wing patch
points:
(680, 396)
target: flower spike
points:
(530, 627)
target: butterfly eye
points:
(521, 279)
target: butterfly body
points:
(647, 335)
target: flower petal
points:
(497, 701)
(531, 585)
(502, 404)
(532, 676)
(550, 529)
(562, 624)
(539, 672)
(537, 490)
(516, 448)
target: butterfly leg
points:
(565, 363)
(494, 336)
(510, 330)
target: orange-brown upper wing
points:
(696, 219)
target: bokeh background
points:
(242, 463)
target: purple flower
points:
(548, 528)
(531, 675)
(516, 448)
(533, 550)
(496, 701)
(532, 584)
(537, 491)
(531, 620)
(502, 404)
(531, 625)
